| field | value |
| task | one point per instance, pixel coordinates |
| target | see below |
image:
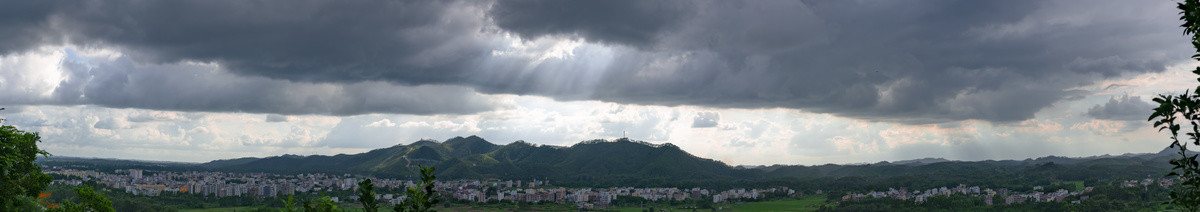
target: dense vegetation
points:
(22, 182)
(1167, 117)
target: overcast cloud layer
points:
(908, 62)
(796, 82)
(68, 77)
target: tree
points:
(20, 178)
(90, 201)
(704, 203)
(289, 203)
(93, 200)
(423, 199)
(1187, 106)
(366, 195)
(323, 204)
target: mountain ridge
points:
(475, 157)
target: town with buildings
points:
(1009, 197)
(987, 194)
(261, 185)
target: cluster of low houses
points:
(260, 185)
(988, 194)
(217, 184)
(1009, 197)
(602, 197)
(1164, 182)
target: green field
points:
(229, 209)
(1078, 185)
(807, 203)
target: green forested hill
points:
(474, 157)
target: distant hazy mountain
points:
(920, 161)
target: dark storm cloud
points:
(415, 42)
(363, 47)
(932, 61)
(911, 62)
(22, 24)
(632, 22)
(1124, 108)
(120, 83)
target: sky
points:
(746, 82)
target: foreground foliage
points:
(1186, 106)
(22, 180)
(421, 198)
(366, 196)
